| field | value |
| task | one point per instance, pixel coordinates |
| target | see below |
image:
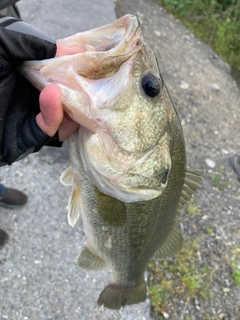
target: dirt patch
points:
(208, 102)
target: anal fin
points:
(89, 261)
(115, 296)
(171, 246)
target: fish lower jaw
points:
(125, 193)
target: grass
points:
(219, 181)
(180, 277)
(235, 265)
(186, 278)
(193, 208)
(216, 22)
(209, 230)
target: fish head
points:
(114, 89)
(129, 155)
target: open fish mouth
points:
(119, 38)
(101, 61)
(97, 53)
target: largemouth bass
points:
(128, 163)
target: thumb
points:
(51, 114)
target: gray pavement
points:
(39, 274)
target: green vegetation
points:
(193, 208)
(218, 180)
(217, 22)
(182, 277)
(235, 265)
(209, 230)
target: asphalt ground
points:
(39, 274)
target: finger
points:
(64, 50)
(66, 128)
(51, 114)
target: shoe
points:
(13, 199)
(3, 238)
(235, 164)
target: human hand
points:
(52, 118)
(22, 128)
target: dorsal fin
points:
(191, 183)
(66, 177)
(171, 246)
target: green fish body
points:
(128, 163)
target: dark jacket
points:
(7, 3)
(19, 100)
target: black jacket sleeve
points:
(19, 100)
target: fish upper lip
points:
(117, 38)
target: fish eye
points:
(151, 85)
(164, 176)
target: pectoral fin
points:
(171, 246)
(74, 205)
(89, 261)
(66, 177)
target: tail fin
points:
(115, 297)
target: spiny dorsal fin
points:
(89, 261)
(191, 183)
(66, 177)
(74, 205)
(171, 246)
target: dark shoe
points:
(13, 199)
(235, 164)
(3, 238)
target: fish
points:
(127, 159)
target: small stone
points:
(215, 86)
(210, 163)
(157, 33)
(165, 315)
(184, 85)
(187, 37)
(221, 316)
(224, 151)
(226, 290)
(140, 14)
